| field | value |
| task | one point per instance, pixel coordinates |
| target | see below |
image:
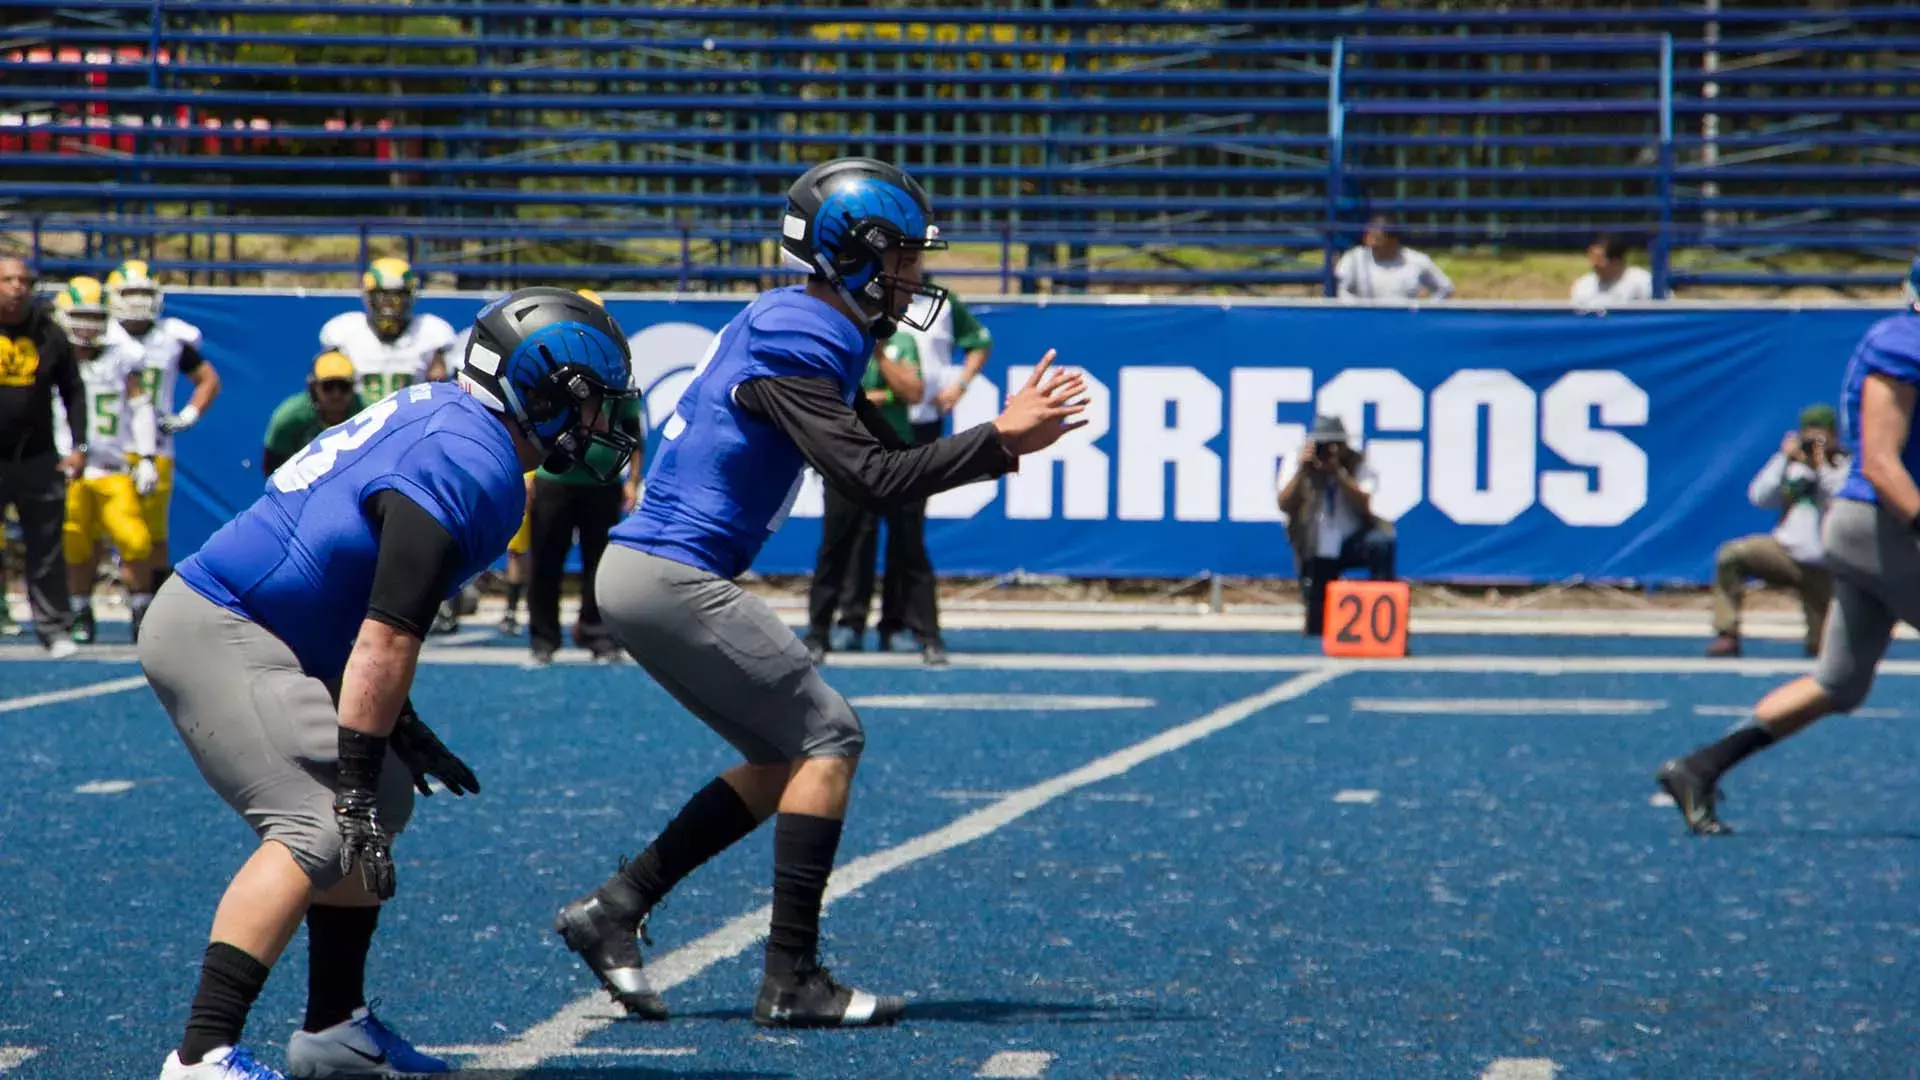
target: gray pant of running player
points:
(1875, 562)
(725, 655)
(264, 733)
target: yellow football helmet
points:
(81, 310)
(388, 288)
(132, 293)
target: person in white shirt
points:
(389, 345)
(1326, 499)
(1798, 481)
(1381, 268)
(1611, 283)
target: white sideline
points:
(562, 1034)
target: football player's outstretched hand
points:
(426, 756)
(1043, 410)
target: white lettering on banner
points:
(1619, 487)
(978, 405)
(1398, 406)
(1085, 470)
(1258, 439)
(1148, 443)
(1454, 484)
(1431, 446)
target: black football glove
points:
(356, 812)
(426, 756)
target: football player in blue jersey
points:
(285, 648)
(780, 390)
(1872, 540)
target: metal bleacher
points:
(1070, 144)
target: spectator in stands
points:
(1326, 500)
(329, 399)
(34, 360)
(1798, 481)
(1381, 268)
(1611, 283)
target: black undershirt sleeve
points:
(190, 359)
(844, 443)
(417, 566)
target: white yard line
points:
(12, 1057)
(1507, 706)
(1017, 1063)
(74, 693)
(1521, 1069)
(562, 1034)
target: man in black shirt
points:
(34, 359)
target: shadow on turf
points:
(991, 1012)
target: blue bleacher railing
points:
(1242, 146)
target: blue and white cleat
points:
(223, 1063)
(360, 1046)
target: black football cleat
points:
(608, 946)
(84, 628)
(1695, 797)
(808, 997)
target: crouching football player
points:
(285, 648)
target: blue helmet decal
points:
(867, 199)
(559, 345)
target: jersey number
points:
(376, 386)
(150, 378)
(318, 459)
(106, 415)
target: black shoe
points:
(1694, 796)
(607, 945)
(808, 997)
(816, 651)
(934, 654)
(84, 630)
(542, 656)
(509, 623)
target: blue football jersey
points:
(300, 560)
(723, 480)
(1891, 348)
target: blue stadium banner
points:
(1512, 444)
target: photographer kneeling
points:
(1326, 498)
(1798, 481)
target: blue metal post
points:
(1660, 252)
(1336, 162)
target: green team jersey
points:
(968, 332)
(901, 350)
(628, 420)
(295, 423)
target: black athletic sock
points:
(229, 982)
(1717, 758)
(803, 851)
(337, 941)
(711, 822)
(514, 590)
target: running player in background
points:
(172, 348)
(1872, 540)
(389, 345)
(285, 649)
(780, 390)
(120, 468)
(329, 399)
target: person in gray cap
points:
(1326, 500)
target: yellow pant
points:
(154, 506)
(522, 541)
(109, 503)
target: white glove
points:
(146, 477)
(180, 421)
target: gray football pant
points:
(264, 733)
(722, 653)
(1875, 563)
